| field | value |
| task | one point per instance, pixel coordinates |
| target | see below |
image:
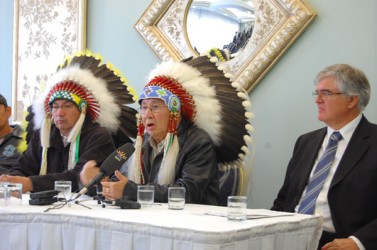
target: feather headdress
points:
(208, 99)
(98, 90)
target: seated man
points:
(10, 138)
(180, 140)
(333, 170)
(73, 117)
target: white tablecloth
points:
(25, 227)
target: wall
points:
(343, 32)
(111, 33)
(6, 15)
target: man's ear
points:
(8, 111)
(353, 101)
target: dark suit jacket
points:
(352, 195)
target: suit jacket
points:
(352, 195)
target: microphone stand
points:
(58, 206)
(78, 203)
(122, 203)
(101, 200)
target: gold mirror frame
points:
(278, 24)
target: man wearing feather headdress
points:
(180, 140)
(74, 120)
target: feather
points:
(30, 124)
(234, 106)
(101, 86)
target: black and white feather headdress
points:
(211, 101)
(99, 91)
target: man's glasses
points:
(64, 107)
(153, 108)
(325, 93)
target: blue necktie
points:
(316, 182)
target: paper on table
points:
(260, 214)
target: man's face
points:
(334, 109)
(5, 113)
(65, 115)
(155, 117)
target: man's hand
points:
(27, 185)
(114, 190)
(341, 244)
(88, 172)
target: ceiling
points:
(240, 10)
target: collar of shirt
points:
(157, 148)
(346, 131)
(65, 140)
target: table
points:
(76, 227)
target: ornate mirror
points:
(269, 28)
(222, 24)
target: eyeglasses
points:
(325, 93)
(153, 108)
(64, 107)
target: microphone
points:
(126, 204)
(112, 162)
(123, 203)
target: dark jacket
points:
(95, 144)
(352, 195)
(196, 168)
(9, 148)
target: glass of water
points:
(176, 198)
(237, 208)
(145, 195)
(65, 188)
(3, 193)
(15, 193)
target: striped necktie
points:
(316, 182)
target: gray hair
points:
(350, 81)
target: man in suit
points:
(347, 199)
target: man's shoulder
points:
(195, 135)
(94, 127)
(17, 130)
(94, 131)
(316, 132)
(365, 122)
(13, 143)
